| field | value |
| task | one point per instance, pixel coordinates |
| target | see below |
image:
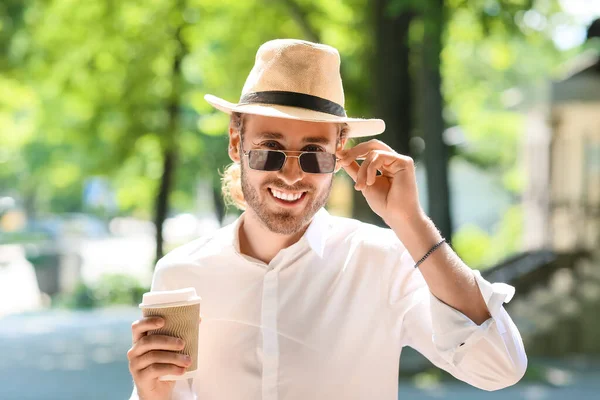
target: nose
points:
(291, 172)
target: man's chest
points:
(299, 324)
(302, 308)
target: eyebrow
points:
(310, 139)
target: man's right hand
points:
(153, 356)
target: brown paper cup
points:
(181, 312)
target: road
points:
(62, 355)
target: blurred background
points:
(110, 157)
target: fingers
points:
(141, 327)
(365, 170)
(362, 149)
(372, 168)
(160, 357)
(154, 342)
(155, 371)
(153, 356)
(388, 163)
(374, 162)
(352, 169)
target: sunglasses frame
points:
(246, 153)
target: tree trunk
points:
(393, 92)
(162, 200)
(392, 88)
(432, 121)
(30, 202)
(169, 143)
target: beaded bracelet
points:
(429, 252)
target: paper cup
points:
(181, 312)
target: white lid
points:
(170, 298)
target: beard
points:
(283, 222)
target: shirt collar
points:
(315, 235)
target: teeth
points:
(286, 196)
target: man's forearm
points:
(447, 276)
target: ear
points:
(234, 144)
(340, 146)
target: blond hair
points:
(231, 179)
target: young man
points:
(299, 304)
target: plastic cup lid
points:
(170, 298)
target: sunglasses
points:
(312, 162)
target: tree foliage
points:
(88, 88)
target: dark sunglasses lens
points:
(266, 160)
(317, 163)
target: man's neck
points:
(257, 241)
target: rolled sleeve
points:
(454, 333)
(489, 356)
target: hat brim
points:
(358, 127)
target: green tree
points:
(125, 99)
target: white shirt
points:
(327, 318)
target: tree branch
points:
(301, 18)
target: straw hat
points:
(299, 80)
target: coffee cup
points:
(181, 311)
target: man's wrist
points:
(417, 232)
(415, 223)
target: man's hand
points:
(153, 356)
(393, 194)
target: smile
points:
(290, 198)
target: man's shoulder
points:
(358, 233)
(206, 246)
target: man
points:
(299, 304)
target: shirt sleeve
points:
(183, 390)
(489, 356)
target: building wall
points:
(536, 161)
(575, 176)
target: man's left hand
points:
(392, 195)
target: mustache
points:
(277, 184)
